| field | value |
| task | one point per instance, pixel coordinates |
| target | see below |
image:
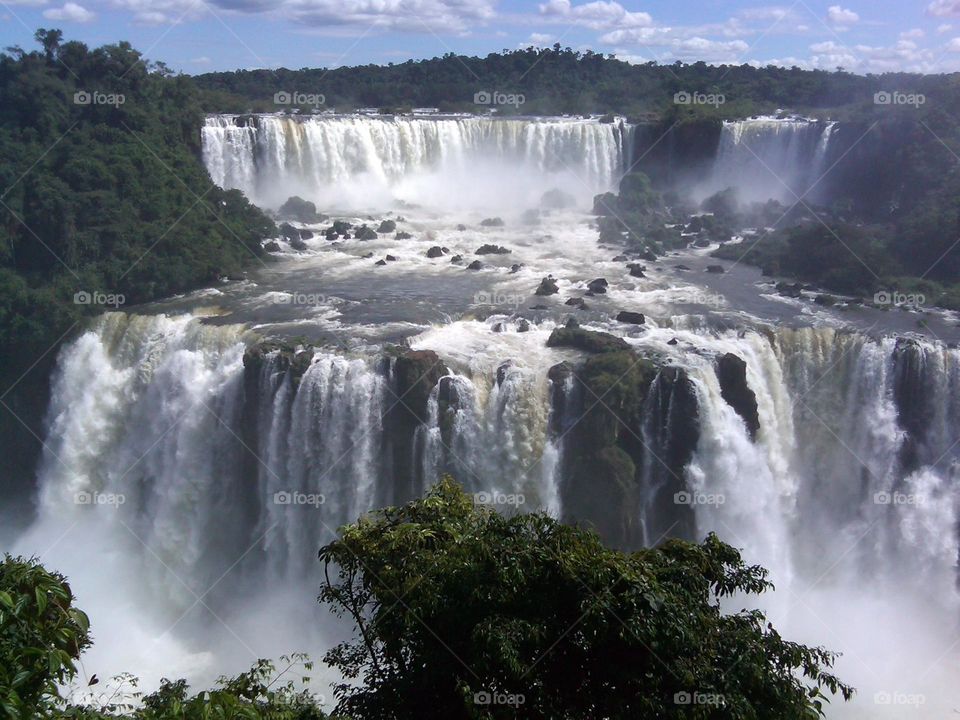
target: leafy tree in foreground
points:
(465, 613)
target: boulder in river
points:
(732, 375)
(548, 286)
(387, 226)
(598, 286)
(633, 318)
(492, 222)
(435, 252)
(489, 249)
(475, 265)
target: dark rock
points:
(516, 267)
(341, 227)
(272, 246)
(503, 370)
(548, 286)
(637, 270)
(387, 226)
(461, 228)
(284, 358)
(620, 258)
(498, 328)
(435, 252)
(457, 259)
(365, 233)
(789, 289)
(732, 375)
(401, 235)
(587, 340)
(680, 267)
(289, 232)
(489, 249)
(492, 222)
(673, 341)
(475, 265)
(572, 323)
(306, 234)
(367, 256)
(716, 269)
(300, 210)
(390, 258)
(577, 302)
(701, 242)
(598, 286)
(380, 262)
(825, 300)
(331, 234)
(298, 244)
(523, 325)
(634, 318)
(648, 255)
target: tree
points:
(462, 612)
(41, 635)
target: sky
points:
(195, 36)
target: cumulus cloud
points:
(70, 12)
(596, 15)
(944, 8)
(841, 16)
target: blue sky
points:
(201, 35)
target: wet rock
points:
(435, 252)
(365, 233)
(633, 318)
(492, 222)
(457, 259)
(489, 249)
(475, 265)
(380, 262)
(620, 258)
(272, 246)
(390, 258)
(461, 227)
(285, 358)
(401, 235)
(387, 226)
(300, 210)
(523, 325)
(515, 268)
(331, 234)
(680, 267)
(673, 341)
(289, 232)
(648, 255)
(367, 256)
(503, 370)
(586, 340)
(732, 375)
(298, 244)
(548, 286)
(637, 270)
(341, 227)
(716, 269)
(577, 303)
(598, 286)
(572, 323)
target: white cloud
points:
(596, 15)
(841, 16)
(914, 34)
(70, 12)
(953, 45)
(943, 8)
(945, 28)
(202, 60)
(540, 39)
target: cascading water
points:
(272, 157)
(772, 158)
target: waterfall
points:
(209, 464)
(270, 157)
(772, 158)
